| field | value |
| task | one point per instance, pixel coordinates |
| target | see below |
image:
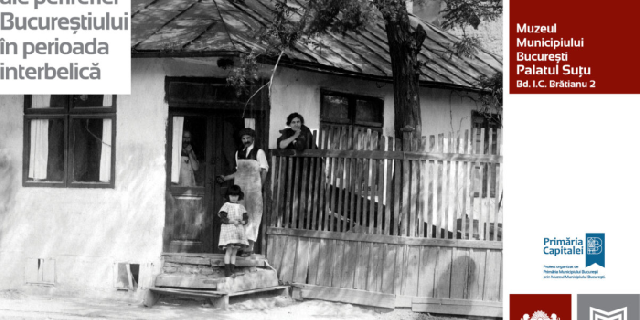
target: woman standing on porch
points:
(297, 136)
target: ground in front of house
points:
(17, 305)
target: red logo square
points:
(540, 307)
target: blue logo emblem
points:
(595, 249)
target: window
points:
(357, 113)
(490, 123)
(69, 141)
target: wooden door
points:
(193, 197)
(189, 187)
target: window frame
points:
(68, 114)
(352, 121)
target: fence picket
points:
(346, 213)
(340, 186)
(358, 191)
(297, 166)
(498, 188)
(396, 191)
(446, 185)
(289, 192)
(440, 189)
(456, 185)
(281, 189)
(304, 184)
(472, 185)
(481, 221)
(274, 198)
(331, 205)
(413, 209)
(498, 199)
(380, 188)
(406, 184)
(389, 190)
(465, 187)
(364, 190)
(422, 167)
(488, 193)
(322, 205)
(372, 185)
(431, 190)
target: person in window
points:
(297, 136)
(189, 162)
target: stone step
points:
(260, 278)
(188, 281)
(213, 260)
(251, 278)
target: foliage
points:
(242, 76)
(292, 23)
(463, 13)
(491, 95)
(460, 13)
(467, 46)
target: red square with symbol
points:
(540, 307)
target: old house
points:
(93, 201)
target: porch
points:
(360, 218)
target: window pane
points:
(335, 108)
(48, 101)
(188, 151)
(368, 111)
(91, 145)
(93, 101)
(46, 150)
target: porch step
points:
(213, 260)
(252, 279)
(219, 299)
(202, 275)
(188, 281)
(259, 279)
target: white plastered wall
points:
(87, 231)
(443, 110)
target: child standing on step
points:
(232, 236)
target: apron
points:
(248, 178)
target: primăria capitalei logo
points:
(595, 249)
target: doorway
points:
(201, 146)
(205, 117)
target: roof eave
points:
(295, 64)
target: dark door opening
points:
(200, 146)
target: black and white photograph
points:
(276, 159)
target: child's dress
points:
(230, 233)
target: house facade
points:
(91, 191)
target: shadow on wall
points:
(461, 282)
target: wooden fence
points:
(423, 223)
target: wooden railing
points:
(440, 187)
